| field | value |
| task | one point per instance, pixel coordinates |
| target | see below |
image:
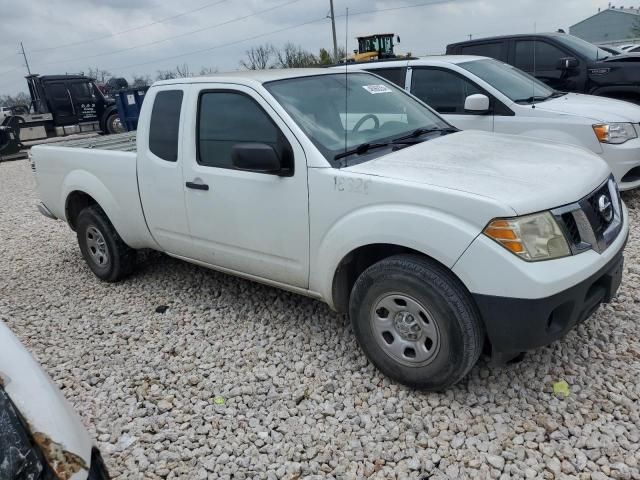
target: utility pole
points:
(333, 27)
(25, 58)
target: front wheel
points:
(106, 254)
(416, 322)
(114, 124)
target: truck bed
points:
(122, 142)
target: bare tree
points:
(182, 71)
(98, 74)
(294, 56)
(141, 81)
(258, 58)
(208, 70)
(14, 100)
(326, 58)
(165, 75)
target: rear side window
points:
(492, 49)
(395, 75)
(165, 125)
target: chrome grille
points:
(586, 223)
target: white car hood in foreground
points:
(55, 426)
(528, 176)
(599, 109)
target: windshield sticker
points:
(374, 89)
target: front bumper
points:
(624, 161)
(516, 325)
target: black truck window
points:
(546, 55)
(495, 50)
(165, 125)
(443, 91)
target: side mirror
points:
(256, 157)
(567, 63)
(477, 103)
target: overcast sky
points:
(129, 37)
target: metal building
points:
(612, 25)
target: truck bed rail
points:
(124, 142)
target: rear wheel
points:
(416, 322)
(106, 254)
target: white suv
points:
(484, 94)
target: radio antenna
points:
(533, 83)
(346, 81)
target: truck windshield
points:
(512, 82)
(340, 112)
(583, 48)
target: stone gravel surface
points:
(239, 380)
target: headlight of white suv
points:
(531, 237)
(614, 132)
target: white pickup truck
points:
(345, 188)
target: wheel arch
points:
(358, 260)
(377, 231)
(81, 189)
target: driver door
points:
(247, 222)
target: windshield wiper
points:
(423, 131)
(360, 149)
(535, 98)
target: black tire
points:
(451, 317)
(106, 254)
(113, 124)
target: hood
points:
(51, 421)
(599, 109)
(622, 58)
(526, 175)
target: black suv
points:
(562, 61)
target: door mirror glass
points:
(477, 103)
(256, 157)
(567, 63)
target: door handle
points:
(197, 186)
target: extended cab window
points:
(546, 55)
(228, 118)
(492, 49)
(395, 75)
(442, 90)
(165, 124)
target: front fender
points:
(432, 232)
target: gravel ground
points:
(238, 380)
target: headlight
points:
(532, 237)
(614, 132)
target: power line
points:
(403, 7)
(121, 32)
(173, 37)
(194, 52)
(219, 46)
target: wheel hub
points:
(97, 247)
(407, 326)
(405, 329)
